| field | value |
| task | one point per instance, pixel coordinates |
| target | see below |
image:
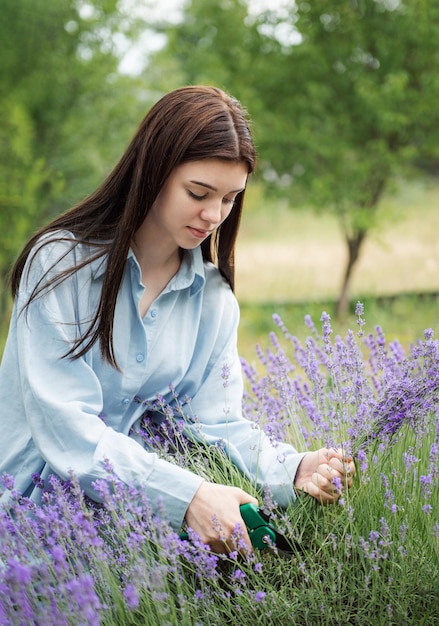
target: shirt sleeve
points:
(63, 399)
(217, 407)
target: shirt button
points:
(126, 401)
(139, 358)
(154, 313)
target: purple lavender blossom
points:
(330, 388)
(359, 312)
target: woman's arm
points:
(62, 400)
(216, 402)
(218, 407)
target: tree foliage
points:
(65, 111)
(343, 95)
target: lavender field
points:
(371, 559)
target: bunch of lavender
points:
(340, 392)
(43, 580)
(162, 428)
(72, 561)
(407, 397)
(381, 404)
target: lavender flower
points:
(331, 390)
(359, 312)
(409, 395)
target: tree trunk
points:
(355, 238)
(354, 242)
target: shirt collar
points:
(190, 274)
(98, 266)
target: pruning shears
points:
(263, 534)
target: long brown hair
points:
(189, 124)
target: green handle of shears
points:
(261, 535)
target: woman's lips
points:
(199, 233)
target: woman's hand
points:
(324, 474)
(214, 515)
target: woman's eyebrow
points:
(207, 186)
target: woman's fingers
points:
(215, 516)
(325, 474)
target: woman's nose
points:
(212, 213)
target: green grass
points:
(287, 254)
(290, 261)
(403, 317)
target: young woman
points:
(131, 291)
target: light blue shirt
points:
(60, 415)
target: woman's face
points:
(196, 198)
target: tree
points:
(368, 100)
(65, 112)
(340, 109)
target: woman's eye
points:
(229, 200)
(196, 196)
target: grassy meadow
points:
(290, 261)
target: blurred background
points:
(344, 100)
